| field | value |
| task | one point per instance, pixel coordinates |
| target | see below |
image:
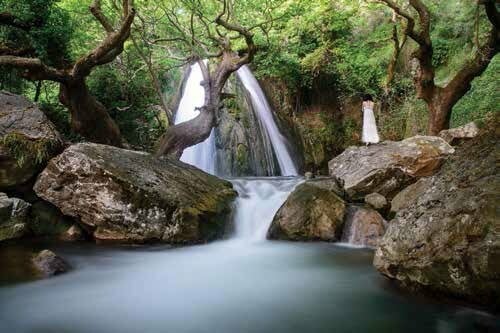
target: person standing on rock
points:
(370, 133)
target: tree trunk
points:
(439, 116)
(89, 117)
(187, 134)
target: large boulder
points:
(447, 237)
(27, 140)
(310, 213)
(14, 219)
(130, 196)
(363, 226)
(388, 167)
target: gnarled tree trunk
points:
(89, 117)
(440, 100)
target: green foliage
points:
(482, 100)
(127, 94)
(50, 30)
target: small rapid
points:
(258, 201)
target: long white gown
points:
(370, 133)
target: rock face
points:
(242, 148)
(130, 196)
(47, 264)
(27, 140)
(455, 135)
(447, 238)
(363, 226)
(13, 217)
(310, 213)
(409, 195)
(388, 167)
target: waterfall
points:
(258, 201)
(201, 155)
(265, 115)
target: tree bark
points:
(89, 117)
(440, 100)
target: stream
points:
(243, 284)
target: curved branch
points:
(109, 48)
(34, 68)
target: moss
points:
(242, 157)
(26, 151)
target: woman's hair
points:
(367, 97)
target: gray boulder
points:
(363, 226)
(310, 213)
(376, 200)
(446, 234)
(129, 196)
(388, 167)
(455, 135)
(27, 140)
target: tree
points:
(440, 100)
(89, 117)
(225, 43)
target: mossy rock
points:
(310, 213)
(27, 140)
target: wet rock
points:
(128, 196)
(328, 183)
(48, 264)
(456, 135)
(13, 217)
(242, 149)
(363, 226)
(376, 200)
(388, 167)
(27, 140)
(309, 175)
(5, 208)
(310, 213)
(446, 234)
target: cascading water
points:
(265, 115)
(259, 199)
(201, 155)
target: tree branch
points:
(34, 68)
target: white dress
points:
(370, 134)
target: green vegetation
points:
(343, 47)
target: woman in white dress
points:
(370, 133)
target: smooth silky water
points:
(243, 284)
